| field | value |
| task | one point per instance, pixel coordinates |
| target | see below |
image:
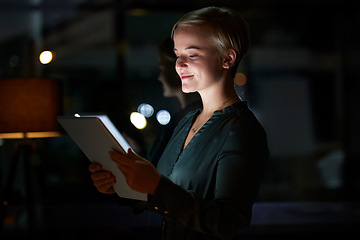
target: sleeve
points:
(238, 175)
(135, 206)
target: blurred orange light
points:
(240, 79)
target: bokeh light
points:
(146, 110)
(240, 79)
(138, 120)
(163, 117)
(46, 57)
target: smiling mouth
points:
(186, 76)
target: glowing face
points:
(198, 62)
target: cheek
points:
(216, 67)
(211, 69)
(177, 71)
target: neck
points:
(187, 98)
(216, 102)
(209, 109)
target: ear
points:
(229, 58)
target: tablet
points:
(96, 135)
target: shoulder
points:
(243, 130)
(241, 117)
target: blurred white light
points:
(46, 57)
(146, 110)
(76, 115)
(138, 120)
(163, 117)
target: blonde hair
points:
(230, 30)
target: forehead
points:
(193, 36)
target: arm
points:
(104, 182)
(238, 174)
(239, 168)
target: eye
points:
(193, 55)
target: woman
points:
(206, 181)
(171, 84)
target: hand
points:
(103, 180)
(139, 173)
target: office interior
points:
(302, 82)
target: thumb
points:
(130, 152)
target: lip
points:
(186, 76)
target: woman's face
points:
(198, 64)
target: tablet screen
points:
(96, 135)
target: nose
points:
(180, 62)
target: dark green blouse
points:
(207, 191)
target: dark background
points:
(303, 85)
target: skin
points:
(168, 73)
(202, 69)
(140, 174)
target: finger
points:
(110, 191)
(124, 170)
(93, 167)
(120, 159)
(104, 184)
(137, 158)
(102, 175)
(106, 188)
(131, 153)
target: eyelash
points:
(190, 56)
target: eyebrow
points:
(188, 48)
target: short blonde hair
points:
(230, 30)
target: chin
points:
(187, 90)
